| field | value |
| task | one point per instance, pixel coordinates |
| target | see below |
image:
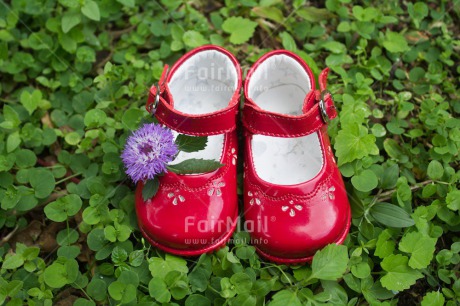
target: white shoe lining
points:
(204, 83)
(280, 84)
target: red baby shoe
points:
(295, 199)
(195, 214)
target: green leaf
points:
(58, 275)
(239, 28)
(13, 141)
(391, 215)
(31, 101)
(13, 261)
(453, 200)
(365, 181)
(128, 3)
(91, 10)
(187, 143)
(395, 42)
(242, 282)
(122, 292)
(25, 158)
(70, 20)
(150, 188)
(288, 41)
(95, 118)
(420, 247)
(399, 275)
(72, 138)
(314, 14)
(354, 142)
(285, 298)
(193, 166)
(160, 267)
(63, 208)
(132, 117)
(330, 263)
(43, 183)
(269, 12)
(11, 118)
(197, 299)
(434, 298)
(194, 39)
(385, 246)
(435, 170)
(159, 291)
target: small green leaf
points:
(197, 299)
(13, 261)
(395, 42)
(385, 245)
(453, 200)
(31, 101)
(160, 267)
(91, 10)
(313, 14)
(242, 282)
(95, 118)
(159, 291)
(43, 183)
(391, 215)
(11, 118)
(285, 298)
(365, 181)
(399, 275)
(70, 20)
(241, 29)
(55, 275)
(150, 188)
(63, 208)
(13, 141)
(330, 263)
(132, 117)
(194, 166)
(194, 39)
(435, 170)
(128, 3)
(354, 142)
(187, 143)
(434, 298)
(288, 41)
(420, 247)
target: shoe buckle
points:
(152, 106)
(322, 106)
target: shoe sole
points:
(221, 242)
(294, 261)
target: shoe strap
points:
(320, 111)
(160, 103)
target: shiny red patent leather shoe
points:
(294, 196)
(195, 214)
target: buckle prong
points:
(322, 106)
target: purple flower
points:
(147, 151)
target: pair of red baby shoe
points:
(295, 201)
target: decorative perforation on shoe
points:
(292, 207)
(216, 189)
(254, 198)
(328, 193)
(176, 197)
(234, 156)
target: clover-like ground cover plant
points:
(74, 79)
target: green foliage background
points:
(73, 84)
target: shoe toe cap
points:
(293, 230)
(182, 220)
